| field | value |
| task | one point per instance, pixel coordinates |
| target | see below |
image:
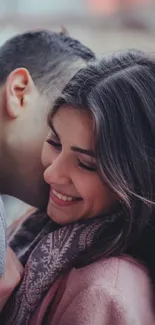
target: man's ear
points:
(19, 88)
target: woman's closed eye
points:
(54, 144)
(91, 168)
(57, 145)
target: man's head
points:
(34, 68)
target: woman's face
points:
(76, 189)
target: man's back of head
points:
(34, 68)
(42, 53)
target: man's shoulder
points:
(17, 223)
(2, 211)
(2, 237)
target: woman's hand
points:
(11, 277)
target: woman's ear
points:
(19, 86)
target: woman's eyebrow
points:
(84, 151)
(52, 128)
(87, 152)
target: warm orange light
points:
(102, 6)
(110, 6)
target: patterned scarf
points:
(47, 251)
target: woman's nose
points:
(57, 172)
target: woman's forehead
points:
(72, 123)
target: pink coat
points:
(114, 291)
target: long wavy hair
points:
(119, 93)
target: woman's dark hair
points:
(119, 93)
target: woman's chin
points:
(61, 216)
(61, 220)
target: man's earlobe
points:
(18, 85)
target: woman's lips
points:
(62, 199)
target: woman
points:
(100, 166)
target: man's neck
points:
(5, 166)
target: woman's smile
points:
(63, 199)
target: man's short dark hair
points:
(46, 55)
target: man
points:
(34, 68)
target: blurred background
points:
(103, 25)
